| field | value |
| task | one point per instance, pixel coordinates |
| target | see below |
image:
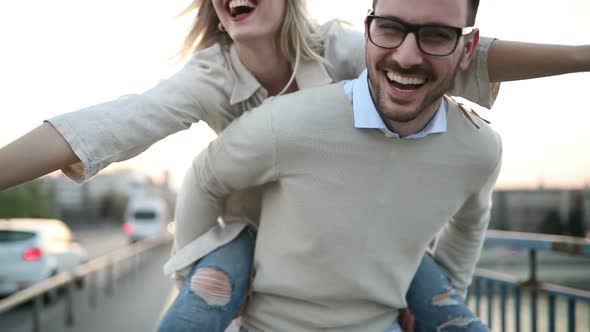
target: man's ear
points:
(470, 48)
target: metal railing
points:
(517, 305)
(120, 262)
(503, 301)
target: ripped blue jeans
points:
(435, 304)
(430, 297)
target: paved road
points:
(136, 304)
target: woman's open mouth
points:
(239, 9)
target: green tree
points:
(30, 200)
(113, 205)
(552, 224)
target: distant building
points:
(586, 210)
(97, 198)
(552, 211)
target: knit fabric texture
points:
(348, 213)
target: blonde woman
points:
(241, 52)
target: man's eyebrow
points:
(424, 23)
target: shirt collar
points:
(245, 84)
(310, 73)
(366, 115)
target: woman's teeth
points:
(237, 7)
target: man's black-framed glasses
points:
(435, 40)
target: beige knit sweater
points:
(348, 213)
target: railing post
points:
(37, 305)
(503, 296)
(490, 303)
(551, 307)
(533, 284)
(532, 266)
(92, 286)
(69, 319)
(534, 308)
(110, 279)
(517, 301)
(477, 291)
(571, 315)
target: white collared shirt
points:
(366, 115)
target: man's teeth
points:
(241, 3)
(405, 80)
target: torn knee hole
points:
(212, 285)
(458, 322)
(445, 299)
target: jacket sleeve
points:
(458, 245)
(121, 129)
(474, 83)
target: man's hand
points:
(407, 320)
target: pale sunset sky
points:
(59, 56)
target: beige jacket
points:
(215, 87)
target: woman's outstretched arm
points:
(511, 61)
(39, 152)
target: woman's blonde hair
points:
(299, 37)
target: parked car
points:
(32, 250)
(146, 218)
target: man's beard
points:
(439, 91)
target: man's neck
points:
(408, 128)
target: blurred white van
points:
(146, 217)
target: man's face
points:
(406, 84)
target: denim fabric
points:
(394, 328)
(435, 305)
(189, 312)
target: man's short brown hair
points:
(474, 5)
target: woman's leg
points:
(215, 289)
(436, 307)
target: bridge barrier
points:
(517, 305)
(110, 267)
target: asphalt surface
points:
(137, 301)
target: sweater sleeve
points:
(121, 129)
(458, 245)
(242, 156)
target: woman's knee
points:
(435, 303)
(212, 285)
(224, 274)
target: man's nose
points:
(408, 54)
